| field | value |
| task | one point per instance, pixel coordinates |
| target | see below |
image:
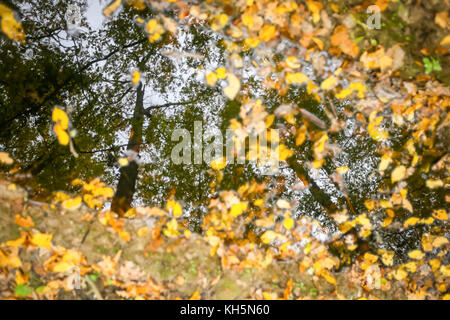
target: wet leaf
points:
(174, 207)
(233, 87)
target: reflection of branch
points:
(104, 150)
(169, 104)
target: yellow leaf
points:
(398, 174)
(41, 239)
(4, 158)
(343, 93)
(59, 116)
(433, 184)
(293, 62)
(345, 227)
(9, 25)
(377, 133)
(21, 278)
(297, 78)
(360, 87)
(288, 222)
(439, 241)
(219, 163)
(328, 83)
(234, 85)
(130, 213)
(251, 42)
(400, 274)
(446, 40)
(211, 79)
(301, 136)
(195, 296)
(342, 170)
(440, 214)
(125, 236)
(72, 204)
(123, 162)
(238, 208)
(388, 258)
(319, 43)
(410, 222)
(62, 266)
(171, 229)
(221, 73)
(268, 236)
(267, 33)
(142, 232)
(23, 222)
(62, 135)
(327, 276)
(416, 254)
(434, 264)
(284, 153)
(269, 120)
(135, 77)
(428, 220)
(174, 207)
(384, 163)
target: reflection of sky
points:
(94, 14)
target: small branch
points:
(169, 104)
(94, 288)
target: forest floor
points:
(144, 266)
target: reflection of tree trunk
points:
(318, 194)
(128, 174)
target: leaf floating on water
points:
(342, 170)
(221, 73)
(293, 62)
(211, 78)
(433, 184)
(268, 236)
(135, 77)
(219, 163)
(174, 207)
(440, 214)
(123, 162)
(328, 83)
(61, 134)
(288, 222)
(296, 78)
(416, 254)
(112, 8)
(234, 85)
(237, 209)
(10, 26)
(59, 116)
(398, 174)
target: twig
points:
(94, 288)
